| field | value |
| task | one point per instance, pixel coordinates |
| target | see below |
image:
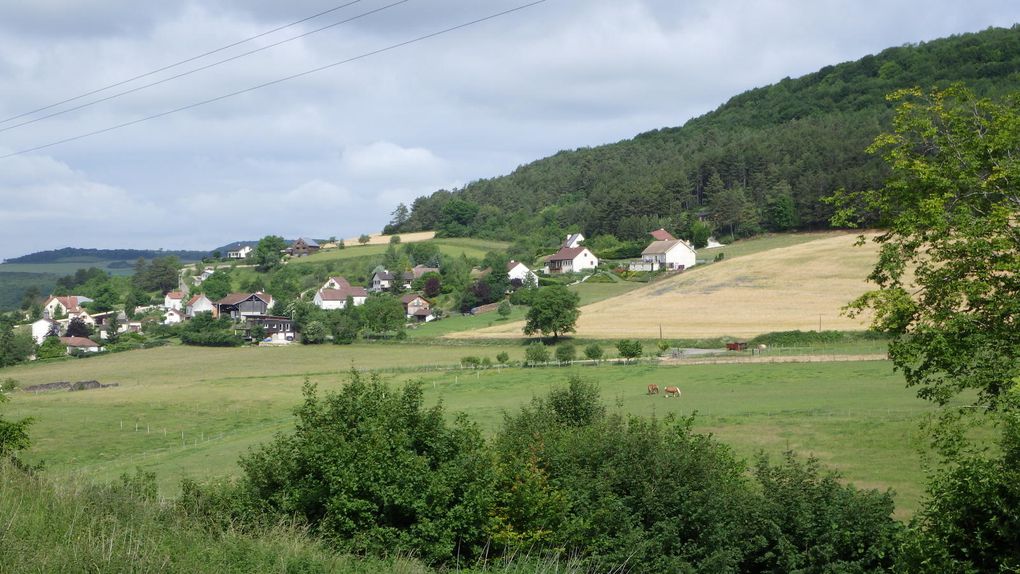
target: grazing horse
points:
(653, 389)
(672, 392)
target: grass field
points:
(778, 283)
(476, 248)
(190, 412)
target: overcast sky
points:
(333, 153)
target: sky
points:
(332, 153)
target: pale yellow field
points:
(778, 290)
(377, 239)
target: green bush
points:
(629, 349)
(502, 357)
(535, 354)
(566, 353)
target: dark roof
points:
(663, 246)
(340, 280)
(235, 298)
(421, 312)
(567, 253)
(78, 342)
(572, 238)
(342, 294)
(308, 242)
(175, 295)
(384, 275)
(411, 297)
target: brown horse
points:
(672, 392)
(653, 389)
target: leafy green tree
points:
(161, 274)
(13, 434)
(206, 331)
(536, 354)
(629, 348)
(30, 297)
(394, 240)
(566, 353)
(218, 285)
(504, 308)
(113, 329)
(780, 211)
(553, 310)
(51, 348)
(268, 253)
(314, 333)
(373, 469)
(364, 239)
(502, 357)
(14, 347)
(383, 314)
(700, 232)
(593, 352)
(77, 327)
(257, 333)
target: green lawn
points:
(855, 416)
(455, 322)
(475, 248)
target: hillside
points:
(761, 161)
(775, 290)
(79, 255)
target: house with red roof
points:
(173, 300)
(571, 260)
(417, 308)
(335, 292)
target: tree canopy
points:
(553, 311)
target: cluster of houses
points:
(59, 311)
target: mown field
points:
(476, 248)
(190, 412)
(779, 283)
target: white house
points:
(69, 306)
(199, 304)
(519, 271)
(337, 298)
(675, 255)
(337, 282)
(240, 253)
(173, 300)
(571, 260)
(173, 316)
(382, 280)
(573, 240)
(44, 328)
(81, 344)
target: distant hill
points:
(761, 161)
(78, 255)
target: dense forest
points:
(761, 162)
(77, 254)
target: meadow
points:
(190, 412)
(454, 247)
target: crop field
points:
(801, 286)
(476, 248)
(191, 412)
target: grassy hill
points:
(778, 283)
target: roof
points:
(175, 295)
(78, 342)
(567, 253)
(341, 281)
(511, 264)
(342, 294)
(308, 242)
(421, 313)
(69, 302)
(419, 270)
(572, 238)
(195, 299)
(661, 234)
(664, 246)
(384, 275)
(411, 297)
(235, 298)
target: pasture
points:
(799, 286)
(190, 412)
(454, 247)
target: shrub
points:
(593, 352)
(629, 349)
(470, 361)
(502, 357)
(566, 353)
(535, 354)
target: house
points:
(417, 272)
(44, 328)
(302, 247)
(334, 294)
(519, 274)
(661, 234)
(173, 317)
(573, 240)
(199, 304)
(382, 280)
(80, 344)
(675, 255)
(206, 273)
(240, 305)
(417, 308)
(241, 252)
(571, 260)
(278, 329)
(173, 300)
(69, 306)
(102, 323)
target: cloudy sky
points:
(334, 152)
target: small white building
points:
(199, 304)
(675, 255)
(240, 253)
(328, 299)
(69, 306)
(519, 271)
(382, 280)
(571, 260)
(80, 344)
(173, 317)
(173, 300)
(44, 328)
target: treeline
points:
(762, 161)
(75, 253)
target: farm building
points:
(240, 305)
(675, 255)
(302, 247)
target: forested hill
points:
(761, 161)
(74, 254)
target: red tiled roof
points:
(661, 234)
(567, 253)
(195, 299)
(78, 342)
(70, 302)
(341, 281)
(175, 295)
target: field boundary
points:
(779, 359)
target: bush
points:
(502, 357)
(593, 352)
(629, 349)
(470, 361)
(536, 354)
(565, 353)
(373, 470)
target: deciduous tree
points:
(553, 311)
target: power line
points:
(200, 68)
(277, 81)
(182, 62)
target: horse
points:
(672, 392)
(653, 389)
